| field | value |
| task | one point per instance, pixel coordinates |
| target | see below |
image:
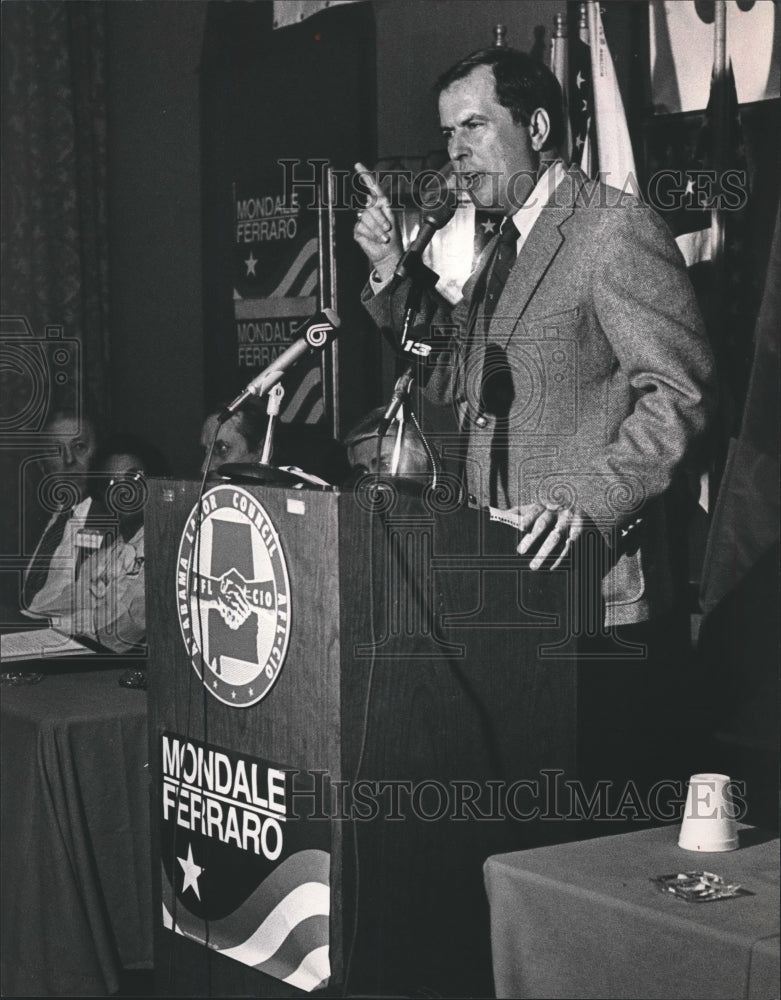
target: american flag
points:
(580, 98)
(726, 279)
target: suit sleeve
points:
(645, 305)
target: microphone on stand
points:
(399, 397)
(319, 331)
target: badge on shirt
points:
(86, 539)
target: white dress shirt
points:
(524, 219)
(61, 576)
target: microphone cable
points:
(195, 560)
(364, 723)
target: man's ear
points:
(539, 129)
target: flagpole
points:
(719, 137)
(588, 154)
(336, 418)
(559, 64)
(719, 292)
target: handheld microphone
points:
(433, 217)
(319, 331)
(400, 393)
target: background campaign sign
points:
(241, 873)
(271, 257)
(276, 287)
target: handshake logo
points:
(234, 597)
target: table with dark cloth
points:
(76, 891)
(584, 920)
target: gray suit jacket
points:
(603, 379)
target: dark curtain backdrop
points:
(54, 235)
(53, 257)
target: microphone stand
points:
(273, 407)
(396, 459)
(263, 471)
(395, 412)
(420, 278)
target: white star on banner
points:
(192, 872)
(488, 226)
(251, 261)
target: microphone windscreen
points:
(436, 195)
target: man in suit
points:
(579, 373)
(581, 385)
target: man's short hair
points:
(522, 85)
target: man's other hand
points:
(549, 532)
(376, 230)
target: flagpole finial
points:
(500, 40)
(583, 32)
(559, 26)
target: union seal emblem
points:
(233, 596)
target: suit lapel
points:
(474, 288)
(536, 256)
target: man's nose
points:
(457, 148)
(67, 455)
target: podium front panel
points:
(424, 668)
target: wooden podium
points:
(420, 671)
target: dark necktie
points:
(500, 267)
(39, 570)
(497, 388)
(496, 384)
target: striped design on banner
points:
(295, 295)
(307, 399)
(298, 282)
(282, 929)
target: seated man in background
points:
(240, 440)
(236, 441)
(105, 604)
(62, 489)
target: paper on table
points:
(38, 644)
